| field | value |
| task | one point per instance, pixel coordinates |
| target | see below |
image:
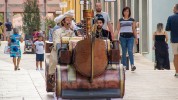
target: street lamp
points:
(45, 7)
(6, 8)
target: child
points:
(39, 45)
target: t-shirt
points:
(104, 34)
(126, 25)
(39, 47)
(138, 32)
(172, 25)
(8, 26)
(106, 19)
(50, 35)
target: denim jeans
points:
(127, 45)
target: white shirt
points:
(39, 47)
(138, 32)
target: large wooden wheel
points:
(83, 59)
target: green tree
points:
(31, 16)
(1, 17)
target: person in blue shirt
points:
(172, 26)
(15, 51)
(50, 34)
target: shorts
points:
(175, 48)
(39, 57)
(8, 33)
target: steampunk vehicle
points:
(87, 68)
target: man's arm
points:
(21, 39)
(110, 26)
(110, 36)
(168, 25)
(111, 29)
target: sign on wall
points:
(82, 2)
(110, 0)
(63, 4)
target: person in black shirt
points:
(100, 32)
(8, 25)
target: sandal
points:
(18, 68)
(15, 68)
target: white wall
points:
(160, 12)
(157, 12)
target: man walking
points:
(172, 25)
(106, 17)
(8, 25)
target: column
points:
(132, 7)
(112, 15)
(121, 2)
(136, 10)
(128, 3)
(143, 26)
(116, 13)
(78, 11)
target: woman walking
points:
(127, 33)
(160, 39)
(15, 52)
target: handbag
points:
(7, 50)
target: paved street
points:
(29, 84)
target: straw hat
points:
(61, 17)
(70, 12)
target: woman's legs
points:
(130, 52)
(138, 46)
(18, 62)
(124, 50)
(14, 61)
(41, 65)
(37, 65)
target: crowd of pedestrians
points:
(128, 35)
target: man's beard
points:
(99, 27)
(98, 10)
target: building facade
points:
(10, 8)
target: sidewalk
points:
(26, 84)
(29, 84)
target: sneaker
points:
(133, 68)
(176, 75)
(37, 69)
(41, 68)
